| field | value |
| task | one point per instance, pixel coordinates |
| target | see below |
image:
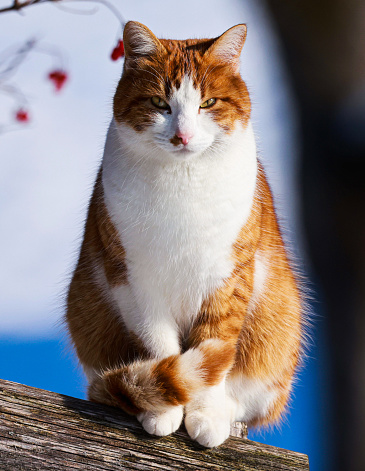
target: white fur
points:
(250, 398)
(185, 117)
(208, 416)
(261, 272)
(162, 423)
(189, 367)
(177, 213)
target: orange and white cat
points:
(183, 303)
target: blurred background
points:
(304, 65)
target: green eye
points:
(208, 103)
(159, 103)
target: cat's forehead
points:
(185, 62)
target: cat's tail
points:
(154, 385)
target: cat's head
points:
(181, 97)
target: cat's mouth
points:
(189, 150)
(184, 152)
(181, 151)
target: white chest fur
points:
(177, 222)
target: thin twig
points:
(15, 93)
(76, 11)
(108, 5)
(19, 56)
(18, 6)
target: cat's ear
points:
(139, 41)
(228, 46)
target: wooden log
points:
(41, 431)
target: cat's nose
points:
(185, 137)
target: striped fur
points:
(183, 299)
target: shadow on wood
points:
(41, 430)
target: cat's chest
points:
(178, 226)
(178, 223)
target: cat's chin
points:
(185, 154)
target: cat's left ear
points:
(228, 46)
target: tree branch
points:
(17, 5)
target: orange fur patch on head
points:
(163, 69)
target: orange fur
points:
(258, 336)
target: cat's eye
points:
(208, 103)
(159, 103)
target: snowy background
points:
(49, 165)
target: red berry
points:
(115, 54)
(118, 51)
(121, 47)
(22, 116)
(58, 77)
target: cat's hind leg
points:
(257, 401)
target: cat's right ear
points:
(139, 41)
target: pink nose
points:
(184, 136)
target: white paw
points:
(162, 423)
(207, 427)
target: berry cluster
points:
(59, 77)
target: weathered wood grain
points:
(41, 431)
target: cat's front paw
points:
(207, 427)
(162, 423)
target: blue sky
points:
(48, 169)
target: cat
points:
(183, 304)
